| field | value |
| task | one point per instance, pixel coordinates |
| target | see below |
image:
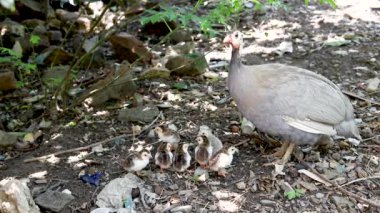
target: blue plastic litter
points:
(93, 179)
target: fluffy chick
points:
(164, 156)
(203, 151)
(182, 158)
(216, 143)
(137, 161)
(222, 160)
(167, 135)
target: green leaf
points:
(20, 84)
(296, 193)
(181, 86)
(35, 40)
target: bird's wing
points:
(310, 126)
(305, 100)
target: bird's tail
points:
(348, 129)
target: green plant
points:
(221, 14)
(15, 58)
(293, 194)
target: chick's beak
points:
(227, 40)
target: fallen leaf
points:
(313, 176)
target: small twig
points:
(368, 139)
(91, 145)
(241, 143)
(75, 149)
(360, 179)
(369, 146)
(353, 95)
(348, 193)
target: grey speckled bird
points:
(296, 104)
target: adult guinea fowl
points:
(296, 104)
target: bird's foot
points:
(285, 158)
(279, 153)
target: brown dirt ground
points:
(262, 186)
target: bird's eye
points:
(237, 35)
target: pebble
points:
(173, 187)
(319, 195)
(367, 132)
(241, 185)
(268, 202)
(212, 207)
(336, 156)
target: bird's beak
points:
(227, 40)
(150, 156)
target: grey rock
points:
(319, 195)
(7, 140)
(330, 174)
(343, 203)
(173, 187)
(15, 196)
(180, 36)
(241, 185)
(367, 132)
(373, 84)
(181, 209)
(141, 113)
(313, 157)
(336, 156)
(268, 202)
(187, 65)
(53, 200)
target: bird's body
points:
(294, 103)
(222, 160)
(203, 151)
(215, 142)
(137, 161)
(182, 158)
(164, 157)
(166, 134)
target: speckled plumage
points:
(215, 142)
(203, 150)
(137, 161)
(164, 157)
(168, 135)
(222, 160)
(294, 103)
(182, 158)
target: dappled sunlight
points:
(53, 160)
(229, 201)
(38, 175)
(78, 157)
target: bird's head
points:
(234, 39)
(202, 139)
(232, 150)
(145, 155)
(158, 130)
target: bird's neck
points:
(235, 59)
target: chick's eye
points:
(236, 35)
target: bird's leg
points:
(288, 153)
(281, 152)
